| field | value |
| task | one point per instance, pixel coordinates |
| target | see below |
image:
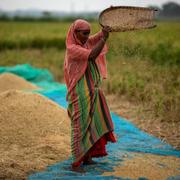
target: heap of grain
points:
(10, 81)
(34, 133)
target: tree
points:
(170, 9)
(46, 14)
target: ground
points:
(143, 119)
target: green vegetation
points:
(144, 66)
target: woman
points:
(84, 68)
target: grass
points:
(50, 58)
(155, 87)
(144, 66)
(160, 45)
(22, 35)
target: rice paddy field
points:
(143, 83)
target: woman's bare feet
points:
(89, 161)
(78, 169)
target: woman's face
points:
(82, 35)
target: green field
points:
(144, 66)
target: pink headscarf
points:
(76, 57)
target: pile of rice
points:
(9, 81)
(34, 133)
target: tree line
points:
(169, 10)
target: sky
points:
(75, 5)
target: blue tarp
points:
(130, 138)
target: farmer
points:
(84, 69)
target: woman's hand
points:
(99, 45)
(106, 30)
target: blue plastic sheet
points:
(130, 138)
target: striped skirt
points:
(91, 123)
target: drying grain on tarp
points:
(10, 81)
(149, 166)
(34, 133)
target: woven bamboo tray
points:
(127, 18)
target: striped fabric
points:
(88, 111)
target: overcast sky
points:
(75, 5)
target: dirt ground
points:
(144, 120)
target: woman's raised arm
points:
(100, 44)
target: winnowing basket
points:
(127, 18)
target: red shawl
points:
(76, 57)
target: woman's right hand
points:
(106, 30)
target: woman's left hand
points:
(106, 30)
